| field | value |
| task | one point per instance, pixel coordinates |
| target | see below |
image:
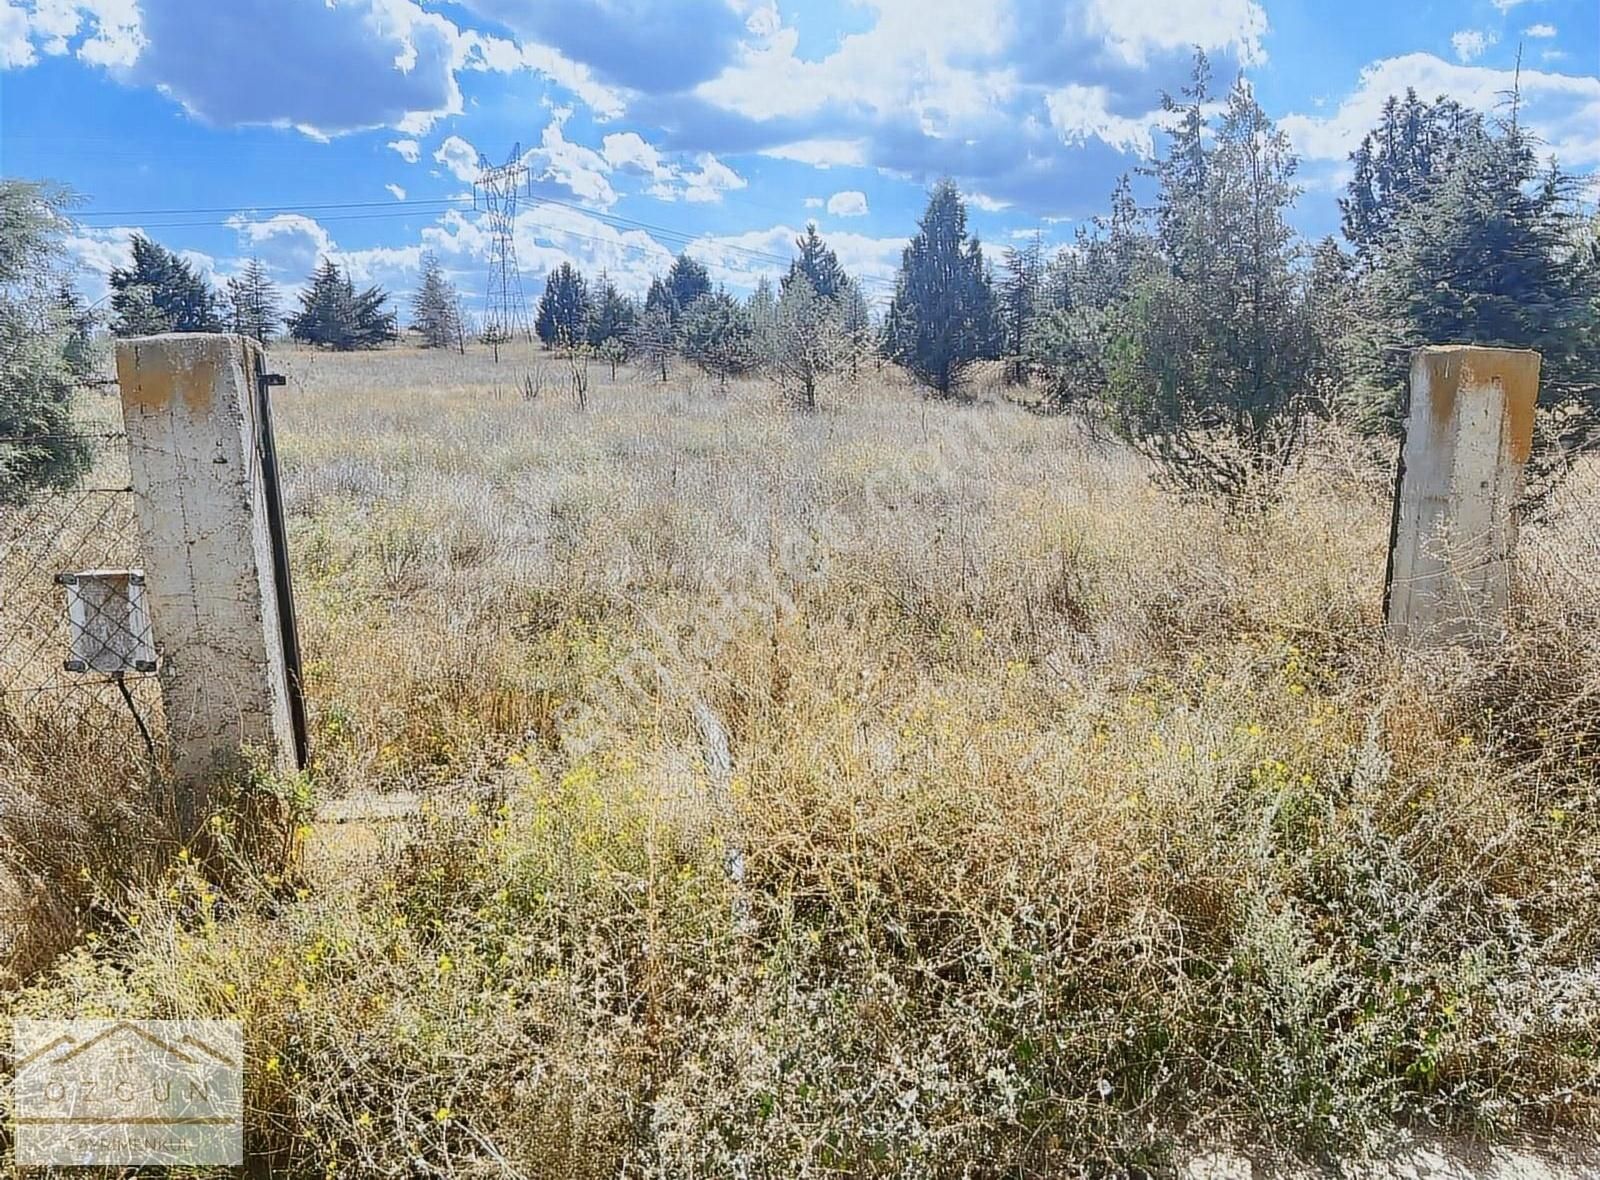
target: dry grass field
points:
(905, 789)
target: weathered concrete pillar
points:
(1469, 430)
(191, 410)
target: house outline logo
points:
(128, 1092)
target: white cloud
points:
(848, 204)
(1470, 44)
(874, 261)
(409, 149)
(710, 181)
(117, 38)
(1539, 31)
(813, 202)
(483, 52)
(579, 170)
(1132, 28)
(1507, 5)
(987, 203)
(290, 243)
(1562, 109)
(458, 156)
(16, 50)
(1081, 112)
(630, 152)
(396, 191)
(822, 153)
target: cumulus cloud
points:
(16, 47)
(1134, 29)
(1079, 113)
(396, 191)
(813, 202)
(1034, 102)
(291, 244)
(409, 149)
(1562, 109)
(568, 168)
(459, 157)
(481, 51)
(628, 151)
(108, 32)
(848, 204)
(332, 68)
(327, 68)
(737, 259)
(1539, 31)
(638, 44)
(1470, 44)
(710, 180)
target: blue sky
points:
(288, 129)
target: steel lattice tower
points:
(496, 192)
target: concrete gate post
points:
(195, 449)
(1468, 433)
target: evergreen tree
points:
(564, 308)
(1413, 143)
(253, 303)
(654, 338)
(1020, 298)
(78, 321)
(37, 372)
(333, 314)
(1485, 254)
(942, 316)
(434, 307)
(809, 345)
(719, 336)
(687, 280)
(658, 298)
(818, 264)
(614, 314)
(161, 292)
(855, 322)
(1085, 301)
(1210, 370)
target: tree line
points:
(1200, 326)
(1204, 331)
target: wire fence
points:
(68, 510)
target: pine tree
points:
(809, 343)
(1020, 298)
(1085, 300)
(855, 322)
(719, 336)
(253, 303)
(614, 314)
(434, 304)
(818, 264)
(564, 309)
(160, 292)
(333, 314)
(1210, 370)
(686, 281)
(78, 321)
(1484, 254)
(1413, 143)
(654, 338)
(37, 374)
(942, 316)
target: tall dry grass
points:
(903, 789)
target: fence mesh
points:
(47, 538)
